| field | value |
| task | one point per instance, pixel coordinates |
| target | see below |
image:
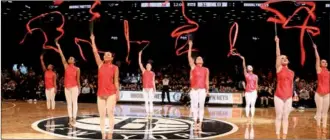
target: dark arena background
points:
(24, 112)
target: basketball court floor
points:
(33, 121)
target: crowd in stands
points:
(30, 85)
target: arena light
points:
(52, 7)
(27, 6)
(183, 37)
(327, 5)
(224, 4)
(114, 37)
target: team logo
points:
(177, 96)
(132, 127)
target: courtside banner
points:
(215, 98)
(225, 98)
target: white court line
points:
(14, 105)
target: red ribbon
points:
(96, 15)
(265, 6)
(147, 42)
(304, 27)
(44, 46)
(128, 42)
(231, 41)
(177, 33)
(58, 2)
(59, 29)
(126, 33)
(77, 40)
(166, 1)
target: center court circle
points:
(133, 127)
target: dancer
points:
(108, 88)
(250, 90)
(50, 83)
(322, 96)
(149, 86)
(199, 80)
(283, 93)
(71, 85)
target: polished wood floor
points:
(17, 117)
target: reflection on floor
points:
(17, 118)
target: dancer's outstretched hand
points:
(92, 37)
(277, 39)
(190, 43)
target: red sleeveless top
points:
(198, 77)
(106, 80)
(70, 77)
(49, 79)
(323, 82)
(148, 79)
(251, 82)
(284, 87)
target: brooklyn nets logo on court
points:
(131, 127)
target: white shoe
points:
(35, 100)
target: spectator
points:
(264, 93)
(86, 92)
(295, 92)
(214, 89)
(31, 86)
(304, 96)
(9, 89)
(40, 89)
(127, 79)
(134, 79)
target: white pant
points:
(197, 97)
(71, 95)
(50, 97)
(148, 99)
(282, 109)
(322, 108)
(250, 98)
